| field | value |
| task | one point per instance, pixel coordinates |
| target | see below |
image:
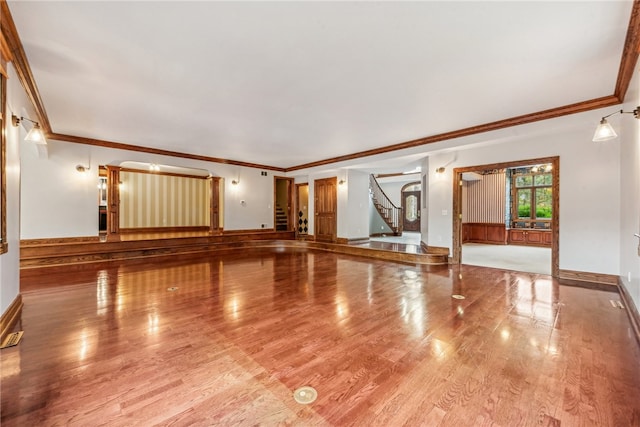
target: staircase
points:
(390, 213)
(281, 219)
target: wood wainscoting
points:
(483, 232)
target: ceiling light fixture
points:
(35, 134)
(441, 169)
(605, 132)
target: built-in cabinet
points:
(498, 234)
(532, 237)
(482, 232)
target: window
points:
(532, 193)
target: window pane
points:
(543, 179)
(524, 181)
(524, 203)
(543, 202)
(411, 208)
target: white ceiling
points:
(287, 83)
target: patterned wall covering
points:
(157, 200)
(485, 199)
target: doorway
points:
(326, 210)
(302, 209)
(553, 233)
(283, 206)
(410, 202)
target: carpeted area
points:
(529, 259)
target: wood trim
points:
(583, 276)
(10, 317)
(58, 241)
(250, 231)
(214, 205)
(186, 228)
(457, 205)
(5, 52)
(4, 115)
(354, 241)
(130, 147)
(630, 53)
(21, 65)
(179, 175)
(579, 107)
(630, 307)
(113, 203)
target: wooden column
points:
(113, 203)
(214, 207)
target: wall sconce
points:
(234, 182)
(605, 132)
(341, 182)
(82, 169)
(35, 134)
(441, 169)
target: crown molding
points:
(630, 53)
(21, 65)
(129, 147)
(579, 107)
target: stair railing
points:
(390, 213)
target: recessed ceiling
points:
(288, 83)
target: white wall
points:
(630, 194)
(58, 201)
(10, 261)
(357, 221)
(589, 191)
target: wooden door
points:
(326, 209)
(411, 210)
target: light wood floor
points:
(384, 344)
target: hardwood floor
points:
(384, 344)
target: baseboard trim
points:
(10, 317)
(354, 241)
(630, 307)
(58, 241)
(583, 276)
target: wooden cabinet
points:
(526, 236)
(476, 232)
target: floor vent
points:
(616, 304)
(12, 339)
(305, 395)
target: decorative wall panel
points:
(157, 200)
(485, 199)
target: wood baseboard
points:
(630, 307)
(345, 241)
(10, 317)
(583, 276)
(58, 241)
(142, 230)
(434, 249)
